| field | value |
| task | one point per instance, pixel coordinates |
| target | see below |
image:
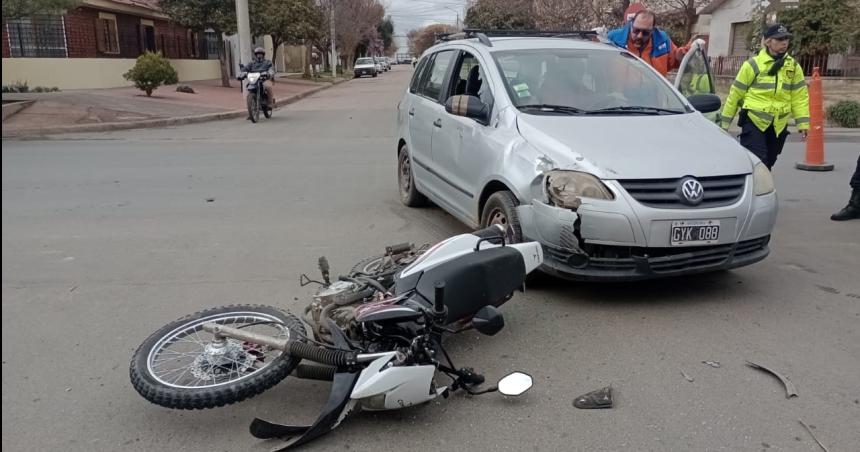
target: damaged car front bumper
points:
(624, 240)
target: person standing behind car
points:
(768, 89)
(641, 37)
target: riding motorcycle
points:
(375, 333)
(256, 98)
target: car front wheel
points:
(501, 209)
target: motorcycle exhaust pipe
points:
(294, 348)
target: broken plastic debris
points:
(790, 391)
(687, 377)
(715, 364)
(602, 398)
(813, 435)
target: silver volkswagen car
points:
(585, 148)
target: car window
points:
(418, 75)
(468, 79)
(432, 85)
(364, 61)
(696, 78)
(583, 80)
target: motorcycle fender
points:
(338, 407)
(399, 386)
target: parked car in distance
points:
(365, 66)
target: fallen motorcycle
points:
(375, 333)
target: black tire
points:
(375, 74)
(253, 114)
(365, 265)
(409, 194)
(210, 397)
(267, 113)
(501, 208)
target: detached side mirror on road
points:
(705, 103)
(469, 107)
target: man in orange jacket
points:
(642, 38)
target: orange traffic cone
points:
(815, 140)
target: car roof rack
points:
(483, 36)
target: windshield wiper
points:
(553, 108)
(635, 110)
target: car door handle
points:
(412, 111)
(438, 123)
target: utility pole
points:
(243, 25)
(333, 49)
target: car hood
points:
(636, 147)
(365, 66)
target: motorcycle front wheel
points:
(183, 367)
(253, 108)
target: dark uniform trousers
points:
(765, 145)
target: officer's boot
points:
(852, 210)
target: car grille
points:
(665, 194)
(660, 260)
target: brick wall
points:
(81, 33)
(171, 39)
(5, 42)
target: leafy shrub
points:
(17, 87)
(845, 113)
(151, 71)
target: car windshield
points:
(364, 61)
(576, 81)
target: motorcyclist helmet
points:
(260, 53)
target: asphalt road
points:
(106, 237)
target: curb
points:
(150, 123)
(13, 108)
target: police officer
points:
(768, 89)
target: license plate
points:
(695, 232)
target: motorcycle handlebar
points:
(439, 297)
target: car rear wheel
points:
(409, 194)
(501, 209)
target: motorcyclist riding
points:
(260, 64)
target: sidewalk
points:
(128, 107)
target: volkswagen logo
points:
(692, 191)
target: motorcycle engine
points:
(336, 302)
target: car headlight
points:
(762, 180)
(565, 188)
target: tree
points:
(423, 38)
(386, 34)
(822, 27)
(151, 71)
(678, 17)
(287, 22)
(16, 9)
(355, 21)
(200, 15)
(563, 14)
(501, 15)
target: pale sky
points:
(409, 14)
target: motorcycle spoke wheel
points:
(190, 357)
(181, 366)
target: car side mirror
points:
(705, 103)
(488, 320)
(469, 107)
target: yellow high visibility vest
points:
(770, 99)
